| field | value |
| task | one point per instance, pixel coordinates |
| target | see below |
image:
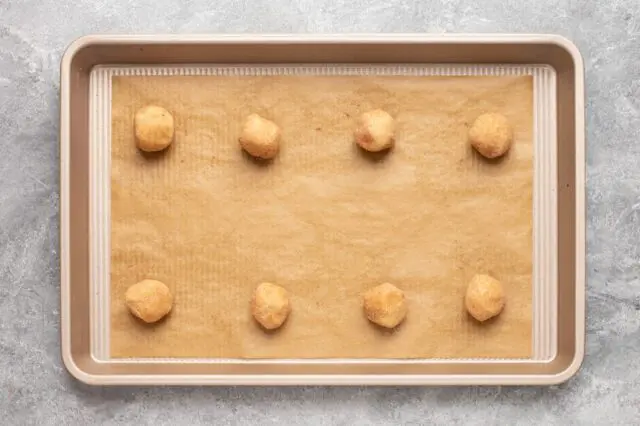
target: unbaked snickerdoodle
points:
(484, 298)
(491, 135)
(260, 137)
(154, 128)
(149, 300)
(375, 131)
(270, 305)
(385, 305)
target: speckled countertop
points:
(34, 386)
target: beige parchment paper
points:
(324, 220)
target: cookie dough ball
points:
(154, 128)
(374, 131)
(270, 305)
(385, 305)
(484, 298)
(491, 135)
(149, 300)
(260, 137)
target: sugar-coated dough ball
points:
(491, 135)
(154, 128)
(260, 137)
(374, 131)
(149, 300)
(270, 305)
(385, 305)
(484, 298)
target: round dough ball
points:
(385, 305)
(260, 137)
(491, 135)
(149, 300)
(484, 298)
(270, 305)
(154, 128)
(374, 131)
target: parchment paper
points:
(324, 220)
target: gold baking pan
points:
(552, 64)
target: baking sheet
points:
(323, 220)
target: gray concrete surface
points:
(34, 387)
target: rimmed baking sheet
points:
(80, 336)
